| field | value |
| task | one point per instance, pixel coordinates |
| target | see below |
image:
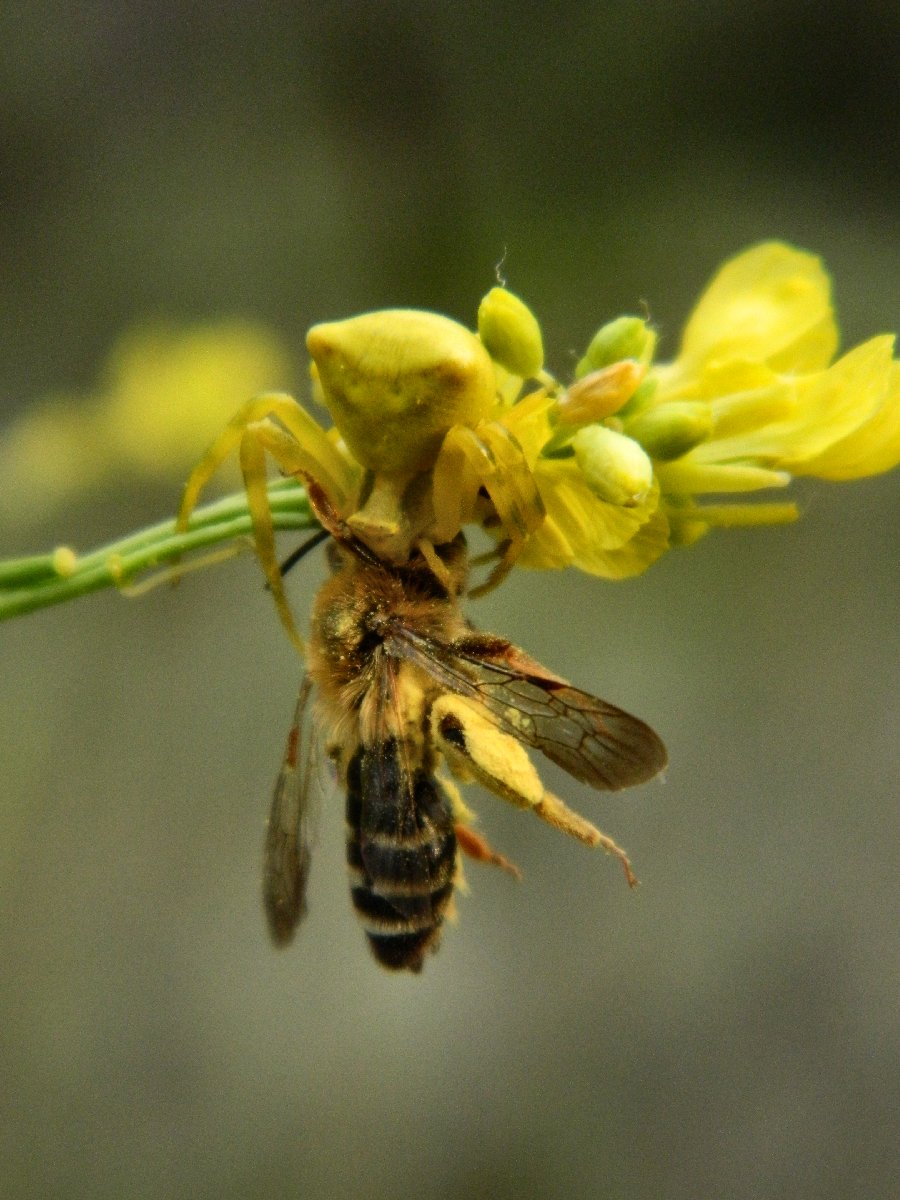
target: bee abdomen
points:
(401, 855)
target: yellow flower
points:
(168, 390)
(755, 363)
(597, 486)
(752, 399)
(163, 394)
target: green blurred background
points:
(727, 1031)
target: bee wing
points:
(289, 832)
(592, 740)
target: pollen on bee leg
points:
(474, 747)
(552, 810)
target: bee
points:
(410, 698)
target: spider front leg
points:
(487, 457)
(301, 449)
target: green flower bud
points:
(642, 398)
(396, 381)
(614, 466)
(625, 337)
(672, 429)
(510, 332)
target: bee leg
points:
(476, 749)
(478, 848)
(469, 841)
(437, 567)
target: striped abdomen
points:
(401, 853)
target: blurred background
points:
(727, 1031)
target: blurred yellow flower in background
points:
(162, 395)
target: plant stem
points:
(37, 581)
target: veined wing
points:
(592, 740)
(289, 833)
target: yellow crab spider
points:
(419, 450)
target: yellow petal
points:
(838, 402)
(772, 303)
(582, 530)
(649, 543)
(692, 476)
(529, 423)
(745, 412)
(872, 448)
(796, 419)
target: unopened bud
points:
(614, 466)
(672, 429)
(65, 561)
(601, 393)
(625, 337)
(510, 333)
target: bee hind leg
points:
(475, 749)
(478, 848)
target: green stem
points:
(37, 581)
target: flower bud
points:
(614, 466)
(672, 429)
(396, 381)
(601, 393)
(625, 337)
(65, 561)
(510, 332)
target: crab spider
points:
(419, 448)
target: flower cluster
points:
(437, 427)
(638, 455)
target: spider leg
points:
(487, 457)
(253, 467)
(315, 452)
(299, 447)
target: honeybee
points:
(410, 697)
